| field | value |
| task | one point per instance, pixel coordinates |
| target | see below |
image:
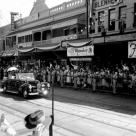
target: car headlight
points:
(30, 87)
(43, 85)
(48, 85)
(45, 92)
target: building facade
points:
(113, 30)
(48, 33)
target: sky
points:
(23, 7)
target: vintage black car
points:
(25, 84)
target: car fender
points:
(3, 83)
(25, 85)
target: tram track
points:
(38, 103)
(12, 110)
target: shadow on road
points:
(118, 103)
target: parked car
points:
(25, 84)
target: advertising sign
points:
(105, 3)
(132, 49)
(80, 51)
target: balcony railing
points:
(53, 40)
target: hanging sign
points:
(132, 49)
(81, 51)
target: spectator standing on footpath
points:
(38, 122)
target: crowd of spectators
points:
(79, 76)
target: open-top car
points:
(25, 84)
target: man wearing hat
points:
(38, 122)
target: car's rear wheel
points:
(25, 93)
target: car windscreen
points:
(26, 76)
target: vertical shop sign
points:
(132, 49)
(13, 14)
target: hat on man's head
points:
(32, 120)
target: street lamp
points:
(52, 97)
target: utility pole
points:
(87, 28)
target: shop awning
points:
(78, 44)
(8, 53)
(26, 50)
(49, 47)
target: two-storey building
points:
(61, 32)
(113, 30)
(39, 36)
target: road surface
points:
(77, 113)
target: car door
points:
(17, 85)
(10, 85)
(13, 85)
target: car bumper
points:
(41, 93)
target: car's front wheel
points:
(25, 93)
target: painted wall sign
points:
(105, 3)
(82, 51)
(132, 49)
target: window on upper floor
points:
(3, 45)
(81, 28)
(57, 32)
(92, 25)
(37, 36)
(28, 38)
(13, 40)
(73, 29)
(122, 18)
(46, 35)
(9, 42)
(112, 20)
(66, 31)
(21, 39)
(100, 20)
(134, 15)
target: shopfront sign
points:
(105, 3)
(25, 45)
(81, 59)
(132, 49)
(80, 51)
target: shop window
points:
(122, 18)
(112, 18)
(100, 20)
(134, 15)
